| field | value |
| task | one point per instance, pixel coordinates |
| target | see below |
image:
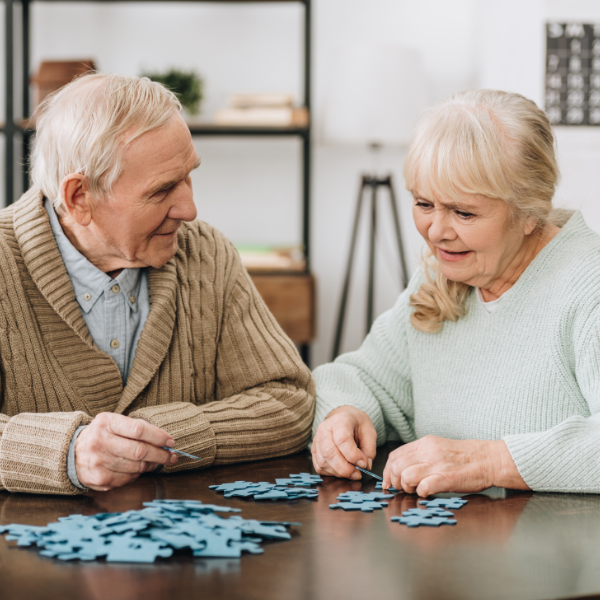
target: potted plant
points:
(187, 85)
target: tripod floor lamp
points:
(370, 184)
(375, 95)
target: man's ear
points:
(530, 225)
(76, 198)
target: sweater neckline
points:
(575, 224)
(44, 263)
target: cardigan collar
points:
(46, 267)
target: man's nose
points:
(184, 207)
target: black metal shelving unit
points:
(17, 131)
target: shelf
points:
(290, 294)
(186, 1)
(206, 129)
(243, 131)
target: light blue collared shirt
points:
(114, 310)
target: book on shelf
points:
(264, 100)
(277, 116)
(268, 259)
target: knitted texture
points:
(212, 366)
(528, 373)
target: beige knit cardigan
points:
(212, 366)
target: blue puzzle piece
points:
(363, 497)
(427, 512)
(305, 479)
(247, 546)
(303, 493)
(379, 486)
(230, 487)
(272, 495)
(177, 540)
(452, 503)
(127, 548)
(218, 544)
(362, 506)
(264, 530)
(257, 488)
(416, 521)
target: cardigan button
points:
(115, 344)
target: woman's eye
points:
(424, 204)
(464, 215)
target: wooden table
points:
(523, 546)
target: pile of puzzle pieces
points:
(280, 490)
(434, 513)
(143, 535)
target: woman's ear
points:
(76, 198)
(530, 224)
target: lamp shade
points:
(375, 95)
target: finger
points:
(433, 484)
(331, 460)
(387, 473)
(343, 438)
(138, 429)
(412, 476)
(103, 480)
(132, 450)
(367, 441)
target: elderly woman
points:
(126, 324)
(488, 367)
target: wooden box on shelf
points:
(53, 74)
(291, 299)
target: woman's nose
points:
(440, 228)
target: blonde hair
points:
(82, 127)
(486, 142)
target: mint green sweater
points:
(528, 373)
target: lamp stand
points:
(373, 183)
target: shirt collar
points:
(89, 282)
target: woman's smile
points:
(453, 256)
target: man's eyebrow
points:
(167, 185)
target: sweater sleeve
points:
(264, 393)
(566, 458)
(34, 449)
(376, 378)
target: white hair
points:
(479, 142)
(83, 127)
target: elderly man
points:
(125, 324)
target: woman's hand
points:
(346, 438)
(114, 450)
(432, 465)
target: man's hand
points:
(114, 450)
(346, 438)
(432, 465)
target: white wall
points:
(250, 188)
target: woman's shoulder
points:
(572, 259)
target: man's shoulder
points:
(199, 236)
(204, 249)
